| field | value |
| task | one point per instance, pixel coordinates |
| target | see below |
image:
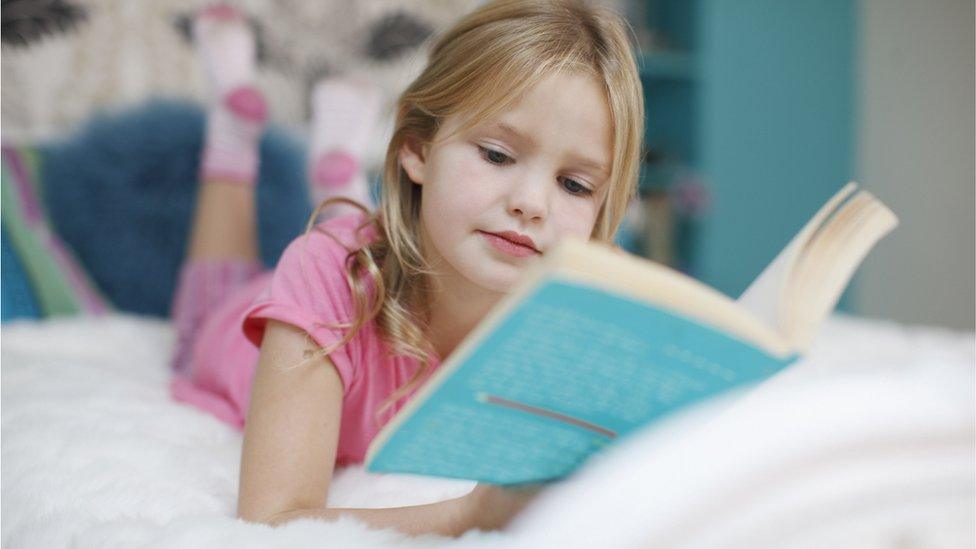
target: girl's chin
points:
(488, 273)
(498, 287)
(498, 280)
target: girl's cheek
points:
(474, 176)
(581, 207)
(473, 164)
(578, 216)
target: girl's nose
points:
(529, 200)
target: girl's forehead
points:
(566, 111)
(501, 93)
(572, 100)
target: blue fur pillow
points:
(121, 193)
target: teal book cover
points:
(597, 344)
(569, 370)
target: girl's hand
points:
(493, 507)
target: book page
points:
(828, 265)
(766, 297)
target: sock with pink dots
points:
(344, 119)
(237, 112)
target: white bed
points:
(868, 442)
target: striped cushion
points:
(57, 283)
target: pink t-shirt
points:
(309, 290)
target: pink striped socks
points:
(345, 113)
(238, 111)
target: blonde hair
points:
(480, 67)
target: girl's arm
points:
(447, 518)
(292, 428)
(487, 507)
(290, 440)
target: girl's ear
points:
(412, 160)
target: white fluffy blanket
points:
(94, 454)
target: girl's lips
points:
(507, 246)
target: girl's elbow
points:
(273, 519)
(250, 513)
(277, 519)
(247, 515)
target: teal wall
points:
(776, 139)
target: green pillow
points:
(57, 281)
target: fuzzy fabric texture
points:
(96, 455)
(99, 456)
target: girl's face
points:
(497, 197)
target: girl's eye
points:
(493, 156)
(499, 158)
(574, 187)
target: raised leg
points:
(223, 248)
(344, 119)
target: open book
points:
(595, 344)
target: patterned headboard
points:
(63, 60)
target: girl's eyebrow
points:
(512, 132)
(519, 136)
(592, 164)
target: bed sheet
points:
(95, 454)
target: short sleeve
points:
(309, 290)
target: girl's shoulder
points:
(317, 262)
(310, 283)
(343, 234)
(310, 289)
(328, 245)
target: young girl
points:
(524, 128)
